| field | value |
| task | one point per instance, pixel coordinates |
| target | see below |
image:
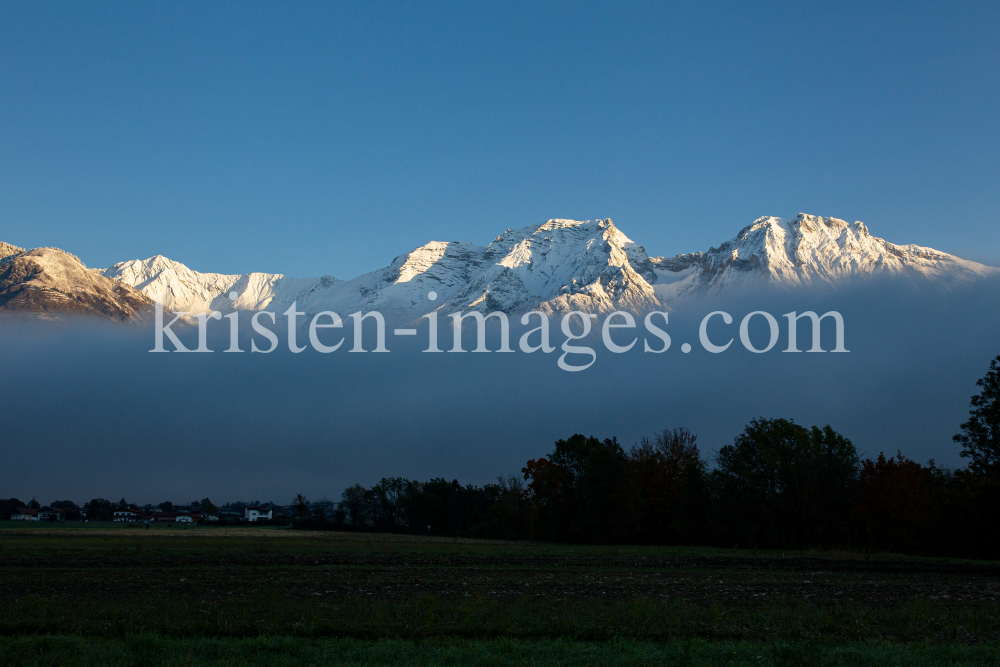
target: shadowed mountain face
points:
(48, 282)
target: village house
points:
(257, 512)
(24, 514)
(41, 514)
(175, 517)
(50, 514)
(127, 514)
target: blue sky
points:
(327, 138)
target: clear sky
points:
(327, 138)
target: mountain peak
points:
(804, 250)
(49, 281)
(562, 265)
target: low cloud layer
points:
(89, 412)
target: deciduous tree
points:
(980, 436)
(782, 485)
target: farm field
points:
(119, 595)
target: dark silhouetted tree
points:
(9, 507)
(208, 507)
(353, 502)
(339, 516)
(441, 507)
(782, 485)
(664, 488)
(577, 490)
(386, 499)
(980, 436)
(301, 505)
(895, 504)
(100, 509)
(511, 515)
(549, 488)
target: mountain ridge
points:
(555, 267)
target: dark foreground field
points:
(119, 596)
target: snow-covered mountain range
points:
(558, 266)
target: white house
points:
(24, 514)
(257, 512)
(127, 514)
(43, 514)
(49, 514)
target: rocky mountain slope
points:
(6, 250)
(557, 266)
(48, 282)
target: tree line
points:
(779, 485)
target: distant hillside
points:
(49, 282)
